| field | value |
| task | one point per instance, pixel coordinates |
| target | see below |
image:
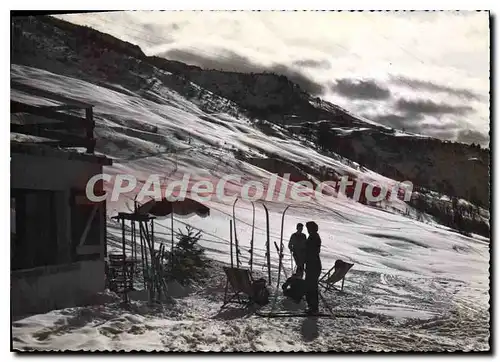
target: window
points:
(33, 229)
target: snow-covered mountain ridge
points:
(67, 49)
(414, 285)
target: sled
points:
(335, 274)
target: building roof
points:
(67, 154)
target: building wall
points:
(50, 173)
(42, 289)
(75, 276)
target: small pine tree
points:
(189, 262)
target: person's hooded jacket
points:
(313, 247)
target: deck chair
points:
(238, 284)
(334, 275)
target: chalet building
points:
(57, 235)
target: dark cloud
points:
(413, 116)
(230, 61)
(222, 60)
(361, 89)
(394, 120)
(416, 116)
(434, 87)
(471, 136)
(414, 124)
(312, 63)
(426, 106)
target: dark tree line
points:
(463, 218)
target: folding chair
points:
(334, 275)
(240, 281)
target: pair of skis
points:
(268, 251)
(292, 314)
(284, 314)
(280, 256)
(281, 268)
(279, 248)
(268, 243)
(280, 252)
(237, 245)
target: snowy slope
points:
(405, 271)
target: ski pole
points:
(231, 241)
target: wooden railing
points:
(61, 129)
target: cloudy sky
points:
(426, 72)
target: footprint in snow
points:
(109, 332)
(43, 335)
(135, 329)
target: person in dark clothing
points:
(297, 246)
(294, 288)
(313, 267)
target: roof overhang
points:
(47, 151)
